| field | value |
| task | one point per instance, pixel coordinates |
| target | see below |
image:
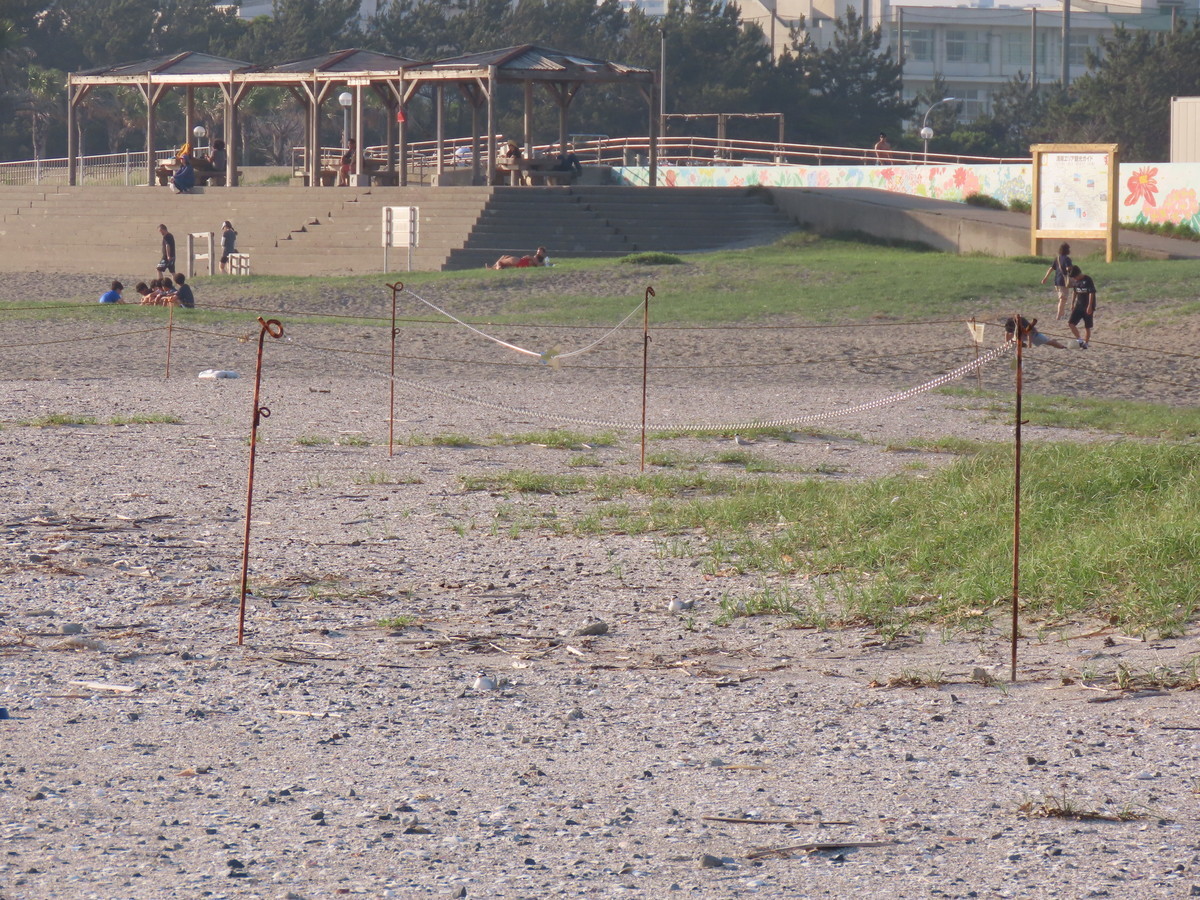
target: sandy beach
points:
(443, 693)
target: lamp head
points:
(198, 132)
(926, 133)
(345, 98)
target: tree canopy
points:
(844, 93)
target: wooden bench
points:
(215, 179)
(539, 170)
(239, 263)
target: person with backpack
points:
(1061, 267)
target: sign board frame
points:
(401, 228)
(1075, 188)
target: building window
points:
(967, 46)
(1016, 49)
(1080, 44)
(974, 101)
(918, 44)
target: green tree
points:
(943, 117)
(44, 102)
(1125, 97)
(856, 86)
(299, 29)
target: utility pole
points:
(1066, 44)
(1033, 49)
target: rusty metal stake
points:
(274, 328)
(170, 324)
(978, 368)
(1022, 334)
(396, 288)
(645, 365)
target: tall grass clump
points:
(1108, 530)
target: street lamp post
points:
(346, 99)
(198, 133)
(926, 131)
(662, 86)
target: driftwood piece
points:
(818, 847)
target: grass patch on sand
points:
(557, 439)
(1108, 530)
(1127, 417)
(59, 419)
(146, 419)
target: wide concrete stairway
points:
(602, 221)
(112, 231)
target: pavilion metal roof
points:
(530, 62)
(340, 61)
(186, 67)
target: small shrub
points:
(983, 200)
(651, 259)
(1177, 230)
(1019, 205)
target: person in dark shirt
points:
(183, 292)
(1061, 268)
(567, 161)
(1085, 306)
(168, 250)
(216, 161)
(347, 167)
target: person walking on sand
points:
(228, 243)
(1085, 306)
(1061, 267)
(168, 250)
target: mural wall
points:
(1150, 192)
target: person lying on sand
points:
(1032, 337)
(523, 262)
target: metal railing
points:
(129, 168)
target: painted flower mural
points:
(1166, 192)
(1179, 206)
(1143, 185)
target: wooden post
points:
(1021, 334)
(274, 328)
(645, 366)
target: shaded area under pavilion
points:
(393, 79)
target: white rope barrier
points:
(966, 369)
(547, 357)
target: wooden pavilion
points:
(152, 78)
(479, 75)
(394, 79)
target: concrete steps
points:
(286, 230)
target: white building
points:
(976, 48)
(252, 9)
